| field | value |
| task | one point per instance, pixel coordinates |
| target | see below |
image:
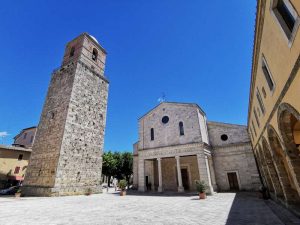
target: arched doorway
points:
(264, 170)
(272, 170)
(289, 126)
(281, 166)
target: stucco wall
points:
(9, 161)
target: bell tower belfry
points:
(66, 156)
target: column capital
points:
(158, 159)
(177, 157)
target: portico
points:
(167, 169)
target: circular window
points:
(165, 119)
(224, 137)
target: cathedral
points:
(177, 146)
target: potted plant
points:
(18, 193)
(201, 187)
(122, 186)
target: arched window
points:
(181, 129)
(152, 134)
(95, 54)
(72, 51)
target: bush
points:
(201, 186)
(123, 184)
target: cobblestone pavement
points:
(110, 208)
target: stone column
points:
(141, 174)
(180, 187)
(160, 189)
(212, 173)
(204, 173)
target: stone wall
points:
(80, 157)
(41, 170)
(169, 172)
(233, 155)
(66, 157)
(168, 134)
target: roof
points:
(259, 19)
(28, 128)
(174, 103)
(225, 124)
(14, 148)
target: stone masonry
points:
(233, 155)
(170, 155)
(67, 152)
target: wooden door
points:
(233, 181)
(185, 179)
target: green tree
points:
(109, 165)
(119, 165)
(127, 164)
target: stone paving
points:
(110, 208)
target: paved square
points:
(110, 208)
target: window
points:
(25, 135)
(267, 74)
(31, 139)
(258, 111)
(165, 120)
(264, 92)
(95, 54)
(287, 17)
(20, 157)
(152, 134)
(17, 170)
(251, 134)
(224, 137)
(181, 129)
(254, 128)
(260, 102)
(72, 51)
(256, 118)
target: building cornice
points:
(201, 144)
(14, 148)
(259, 21)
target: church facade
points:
(177, 145)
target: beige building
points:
(25, 138)
(178, 146)
(274, 106)
(13, 164)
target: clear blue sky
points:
(193, 51)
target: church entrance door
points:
(233, 181)
(185, 179)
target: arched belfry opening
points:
(95, 54)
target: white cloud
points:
(3, 134)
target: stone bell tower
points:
(66, 155)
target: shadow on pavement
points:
(248, 208)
